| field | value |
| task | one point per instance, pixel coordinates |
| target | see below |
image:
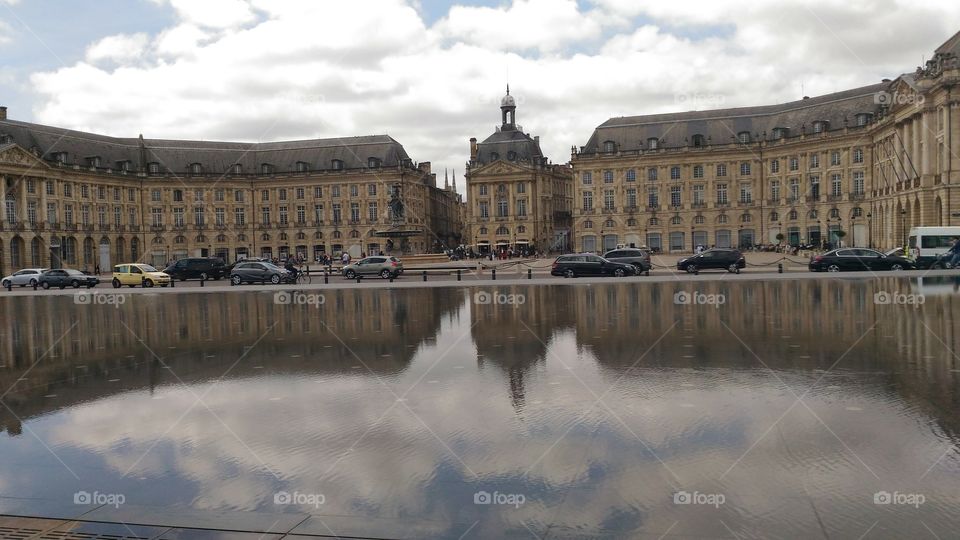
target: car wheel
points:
(6, 283)
(385, 274)
(349, 274)
(33, 283)
(45, 285)
(833, 268)
(619, 272)
(691, 269)
(148, 283)
(75, 284)
(116, 283)
(275, 279)
(203, 276)
(236, 280)
(569, 273)
(896, 267)
(733, 268)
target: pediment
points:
(499, 167)
(12, 154)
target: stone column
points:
(954, 138)
(927, 141)
(916, 126)
(906, 144)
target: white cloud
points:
(6, 33)
(118, 48)
(274, 70)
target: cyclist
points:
(292, 268)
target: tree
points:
(780, 237)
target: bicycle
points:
(303, 278)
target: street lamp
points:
(903, 228)
(870, 230)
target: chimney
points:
(3, 113)
(473, 148)
(536, 139)
(424, 167)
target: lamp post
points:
(819, 235)
(839, 228)
(870, 230)
(903, 228)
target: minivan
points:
(927, 243)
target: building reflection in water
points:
(406, 402)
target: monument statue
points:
(396, 205)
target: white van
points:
(927, 243)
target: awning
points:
(483, 243)
(521, 242)
(503, 243)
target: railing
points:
(134, 228)
(157, 227)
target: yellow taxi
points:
(134, 274)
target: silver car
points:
(27, 276)
(379, 265)
(258, 272)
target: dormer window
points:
(196, 168)
(609, 147)
(820, 126)
(266, 168)
(236, 168)
(153, 168)
(373, 163)
(743, 137)
(511, 155)
(653, 143)
(337, 164)
(123, 165)
(5, 139)
(698, 141)
(780, 133)
(863, 119)
(93, 162)
(303, 166)
(61, 157)
(494, 156)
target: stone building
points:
(517, 198)
(87, 200)
(871, 162)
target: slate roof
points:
(722, 126)
(215, 157)
(503, 142)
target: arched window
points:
(676, 220)
(631, 175)
(483, 230)
(502, 231)
(654, 222)
(608, 224)
(588, 224)
(354, 234)
(812, 214)
(266, 168)
(699, 219)
(283, 236)
(632, 222)
(722, 218)
(336, 164)
(609, 146)
(301, 236)
(834, 213)
(792, 216)
(337, 234)
(743, 137)
(521, 229)
(857, 212)
(180, 240)
(774, 216)
(196, 168)
(221, 238)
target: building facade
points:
(858, 167)
(85, 200)
(517, 199)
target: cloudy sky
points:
(431, 72)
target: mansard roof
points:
(177, 156)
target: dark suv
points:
(198, 268)
(588, 264)
(635, 256)
(730, 260)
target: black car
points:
(857, 259)
(65, 277)
(730, 260)
(586, 264)
(198, 268)
(635, 256)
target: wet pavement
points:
(803, 408)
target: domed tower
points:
(508, 108)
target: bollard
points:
(458, 276)
(648, 272)
(424, 275)
(35, 285)
(358, 278)
(9, 286)
(780, 268)
(172, 283)
(493, 273)
(326, 276)
(391, 278)
(738, 270)
(143, 281)
(529, 273)
(231, 282)
(201, 282)
(696, 271)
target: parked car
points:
(640, 258)
(133, 274)
(22, 278)
(854, 259)
(64, 277)
(730, 260)
(258, 272)
(198, 268)
(379, 265)
(587, 264)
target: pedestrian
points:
(955, 252)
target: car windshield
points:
(271, 266)
(147, 268)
